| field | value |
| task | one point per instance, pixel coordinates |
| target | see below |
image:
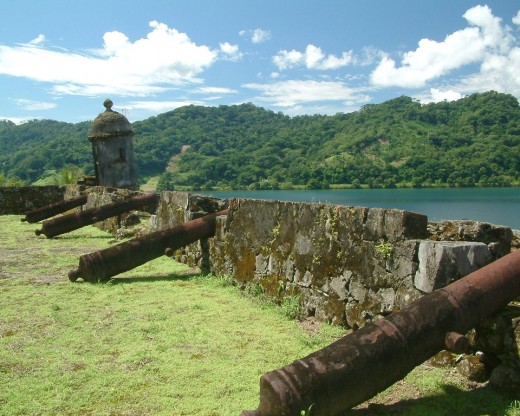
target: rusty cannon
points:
(53, 209)
(360, 365)
(70, 222)
(103, 264)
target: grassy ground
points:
(162, 340)
(151, 185)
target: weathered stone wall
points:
(19, 200)
(100, 195)
(347, 264)
(498, 338)
(350, 265)
(176, 208)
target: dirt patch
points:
(310, 325)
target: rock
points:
(505, 378)
(443, 359)
(515, 243)
(442, 262)
(473, 368)
(497, 236)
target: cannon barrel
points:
(366, 362)
(103, 264)
(71, 222)
(53, 209)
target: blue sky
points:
(59, 59)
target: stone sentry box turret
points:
(113, 149)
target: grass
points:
(150, 185)
(162, 340)
(158, 340)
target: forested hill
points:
(472, 141)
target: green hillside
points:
(474, 141)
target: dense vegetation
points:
(474, 141)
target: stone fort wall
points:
(346, 265)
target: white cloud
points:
(482, 42)
(260, 35)
(498, 72)
(437, 95)
(516, 19)
(39, 40)
(34, 105)
(158, 106)
(312, 58)
(256, 35)
(288, 59)
(216, 90)
(293, 93)
(16, 120)
(149, 65)
(230, 51)
(369, 56)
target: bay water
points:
(499, 206)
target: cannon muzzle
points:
(103, 264)
(74, 221)
(366, 362)
(56, 208)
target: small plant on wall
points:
(385, 249)
(513, 409)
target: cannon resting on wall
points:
(103, 264)
(53, 209)
(366, 362)
(70, 222)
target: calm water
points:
(494, 205)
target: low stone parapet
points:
(20, 200)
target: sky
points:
(60, 59)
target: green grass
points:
(161, 340)
(150, 185)
(153, 341)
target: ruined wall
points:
(100, 195)
(19, 200)
(178, 207)
(347, 265)
(351, 265)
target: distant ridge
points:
(474, 141)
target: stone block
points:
(394, 225)
(497, 237)
(442, 262)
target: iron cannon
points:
(53, 209)
(360, 365)
(67, 223)
(101, 265)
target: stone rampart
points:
(346, 265)
(350, 265)
(19, 200)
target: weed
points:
(281, 287)
(225, 281)
(255, 290)
(291, 306)
(307, 412)
(513, 409)
(385, 249)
